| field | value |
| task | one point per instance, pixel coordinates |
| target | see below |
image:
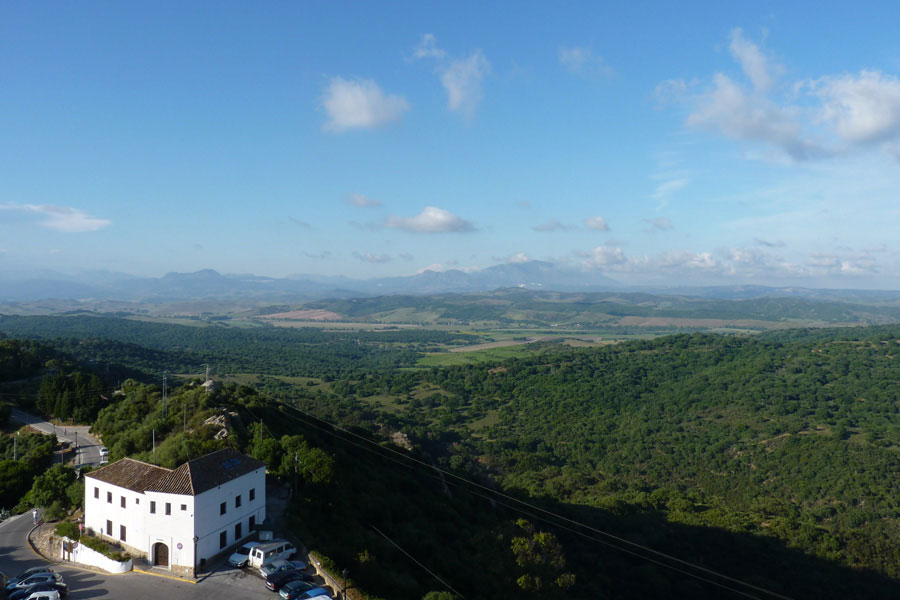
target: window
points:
(223, 539)
(252, 494)
(237, 501)
(237, 531)
(168, 508)
(109, 528)
(152, 507)
(122, 501)
(251, 522)
(109, 497)
(222, 508)
(184, 507)
(137, 500)
(96, 492)
(122, 532)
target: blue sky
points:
(655, 142)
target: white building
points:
(177, 518)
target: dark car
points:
(50, 586)
(295, 589)
(32, 580)
(26, 574)
(276, 580)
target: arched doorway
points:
(160, 555)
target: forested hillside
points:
(772, 460)
(270, 350)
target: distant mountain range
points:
(209, 285)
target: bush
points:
(103, 548)
(68, 529)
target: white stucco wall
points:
(88, 556)
(201, 516)
(172, 529)
(97, 511)
(209, 523)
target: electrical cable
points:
(552, 514)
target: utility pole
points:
(154, 444)
(15, 449)
(165, 395)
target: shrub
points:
(68, 529)
(103, 548)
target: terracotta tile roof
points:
(190, 479)
(129, 473)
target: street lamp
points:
(195, 557)
(345, 573)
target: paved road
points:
(225, 583)
(88, 452)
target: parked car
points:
(28, 573)
(271, 551)
(57, 587)
(276, 580)
(281, 564)
(242, 554)
(287, 594)
(44, 596)
(295, 587)
(31, 580)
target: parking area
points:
(221, 582)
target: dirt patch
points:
(306, 315)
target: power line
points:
(561, 517)
(412, 558)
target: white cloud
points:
(596, 223)
(462, 80)
(552, 225)
(428, 48)
(461, 77)
(359, 104)
(814, 118)
(667, 188)
(607, 256)
(362, 201)
(431, 220)
(755, 66)
(660, 223)
(58, 218)
(518, 258)
(372, 258)
(863, 108)
(583, 62)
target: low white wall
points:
(87, 556)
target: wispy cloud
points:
(596, 223)
(553, 225)
(828, 116)
(461, 77)
(431, 220)
(299, 223)
(359, 104)
(362, 201)
(583, 62)
(323, 255)
(58, 218)
(659, 223)
(428, 48)
(669, 187)
(372, 258)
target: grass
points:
(446, 359)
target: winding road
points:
(87, 450)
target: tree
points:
(541, 554)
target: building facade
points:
(177, 518)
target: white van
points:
(269, 552)
(242, 554)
